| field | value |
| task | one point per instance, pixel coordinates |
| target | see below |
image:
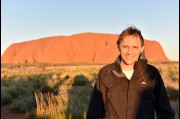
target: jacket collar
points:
(118, 70)
(142, 59)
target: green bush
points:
(8, 82)
(172, 93)
(46, 88)
(13, 91)
(23, 104)
(79, 103)
(6, 98)
(66, 77)
(86, 93)
(80, 80)
(25, 88)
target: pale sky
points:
(24, 20)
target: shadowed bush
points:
(46, 88)
(172, 93)
(80, 80)
(23, 104)
(6, 98)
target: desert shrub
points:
(21, 88)
(13, 91)
(174, 79)
(65, 80)
(39, 76)
(8, 82)
(69, 106)
(172, 93)
(80, 80)
(46, 88)
(173, 74)
(175, 108)
(86, 93)
(56, 88)
(6, 98)
(50, 106)
(36, 84)
(66, 77)
(23, 104)
(77, 104)
(53, 80)
(39, 81)
(25, 88)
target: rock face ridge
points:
(95, 48)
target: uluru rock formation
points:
(95, 48)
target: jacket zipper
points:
(127, 97)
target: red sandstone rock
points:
(78, 48)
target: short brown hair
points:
(132, 30)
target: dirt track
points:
(6, 114)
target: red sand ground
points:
(6, 114)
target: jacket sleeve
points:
(162, 104)
(96, 106)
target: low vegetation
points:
(46, 91)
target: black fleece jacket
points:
(116, 97)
